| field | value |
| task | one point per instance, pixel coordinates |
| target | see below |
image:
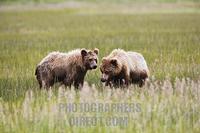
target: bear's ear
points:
(83, 52)
(114, 62)
(96, 50)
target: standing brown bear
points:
(68, 68)
(121, 67)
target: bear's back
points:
(123, 58)
(139, 60)
(57, 58)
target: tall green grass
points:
(164, 107)
(169, 42)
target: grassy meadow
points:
(168, 38)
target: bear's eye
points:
(90, 60)
(96, 60)
(106, 72)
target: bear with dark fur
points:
(123, 68)
(67, 68)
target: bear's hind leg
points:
(38, 76)
(141, 83)
(40, 83)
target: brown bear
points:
(121, 67)
(67, 68)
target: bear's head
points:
(90, 58)
(109, 68)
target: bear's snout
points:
(104, 77)
(94, 67)
(103, 80)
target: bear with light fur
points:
(123, 68)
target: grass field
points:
(168, 38)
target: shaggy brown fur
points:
(122, 67)
(67, 68)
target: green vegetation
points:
(170, 43)
(162, 108)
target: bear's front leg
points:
(67, 82)
(108, 83)
(78, 83)
(126, 80)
